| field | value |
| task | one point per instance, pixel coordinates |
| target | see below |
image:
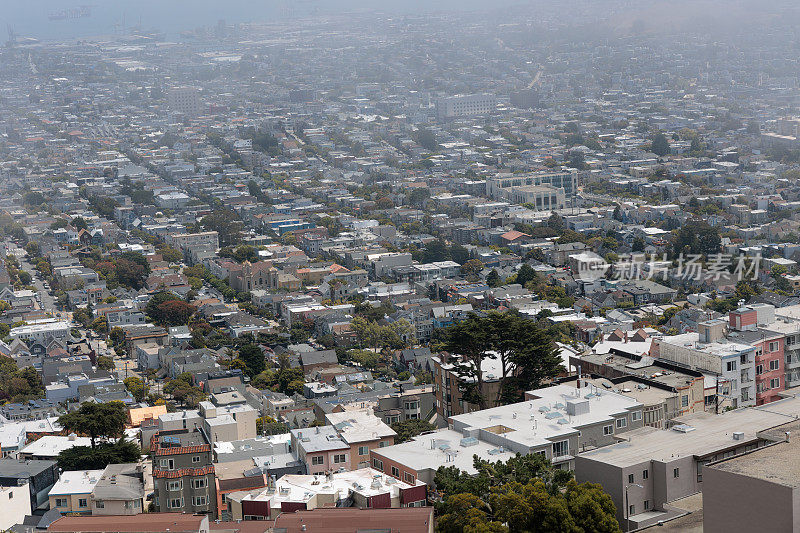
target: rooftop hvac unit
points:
(738, 435)
(577, 407)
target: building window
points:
(99, 505)
(676, 472)
(775, 364)
(363, 450)
(339, 458)
(773, 346)
(730, 366)
(759, 370)
(82, 503)
(561, 448)
(383, 444)
(199, 500)
(169, 464)
(317, 460)
(630, 478)
(647, 505)
(408, 478)
(645, 474)
(175, 503)
(195, 458)
(199, 483)
(175, 485)
(377, 464)
(608, 430)
(685, 400)
(631, 510)
(61, 502)
(396, 472)
(775, 383)
(636, 416)
(622, 422)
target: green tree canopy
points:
(97, 420)
(526, 353)
(410, 428)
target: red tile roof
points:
(143, 523)
(181, 472)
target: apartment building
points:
(464, 105)
(183, 472)
(755, 491)
(363, 488)
(72, 492)
(564, 179)
(709, 351)
(449, 396)
(556, 422)
(185, 100)
(187, 241)
(344, 444)
(653, 467)
(748, 326)
(119, 491)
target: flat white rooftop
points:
(540, 421)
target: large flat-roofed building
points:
(363, 488)
(185, 241)
(498, 186)
(557, 422)
(709, 351)
(420, 457)
(42, 330)
(464, 105)
(653, 467)
(540, 197)
(755, 491)
(184, 100)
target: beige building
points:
(653, 467)
(756, 491)
(119, 491)
(72, 493)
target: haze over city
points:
(414, 267)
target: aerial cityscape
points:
(359, 267)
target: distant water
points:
(32, 18)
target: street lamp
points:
(627, 508)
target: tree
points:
(660, 145)
(226, 223)
(527, 354)
(253, 357)
(100, 325)
(426, 139)
(96, 420)
(105, 363)
(106, 453)
(493, 279)
(526, 274)
(696, 237)
(472, 268)
(168, 309)
(523, 494)
(32, 249)
(459, 254)
(435, 251)
(79, 223)
(555, 222)
(407, 429)
(418, 196)
(136, 387)
(266, 425)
